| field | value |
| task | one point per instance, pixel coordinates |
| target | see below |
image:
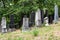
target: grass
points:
(51, 32)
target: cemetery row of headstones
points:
(37, 19)
(40, 19)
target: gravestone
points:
(42, 16)
(32, 19)
(46, 21)
(50, 19)
(3, 25)
(38, 18)
(25, 24)
(55, 13)
(12, 25)
(12, 21)
(46, 17)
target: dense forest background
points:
(21, 7)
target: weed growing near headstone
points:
(35, 32)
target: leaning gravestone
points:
(32, 19)
(55, 14)
(38, 18)
(3, 25)
(25, 24)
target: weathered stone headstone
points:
(55, 14)
(32, 19)
(3, 25)
(38, 18)
(25, 24)
(46, 21)
(42, 16)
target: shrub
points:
(35, 32)
(20, 38)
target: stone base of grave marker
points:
(38, 23)
(4, 30)
(11, 29)
(47, 24)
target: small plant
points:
(9, 38)
(35, 32)
(20, 38)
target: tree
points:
(17, 7)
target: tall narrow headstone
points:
(12, 21)
(42, 16)
(32, 19)
(12, 25)
(25, 24)
(3, 25)
(38, 18)
(55, 14)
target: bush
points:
(20, 38)
(35, 32)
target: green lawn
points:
(51, 32)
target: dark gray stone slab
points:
(11, 25)
(32, 19)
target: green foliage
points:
(35, 32)
(9, 38)
(17, 7)
(20, 38)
